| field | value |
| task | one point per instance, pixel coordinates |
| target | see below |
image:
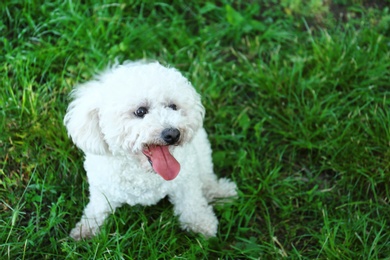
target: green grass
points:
(298, 114)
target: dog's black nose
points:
(170, 135)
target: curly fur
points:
(101, 121)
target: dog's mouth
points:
(162, 161)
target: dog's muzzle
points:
(159, 156)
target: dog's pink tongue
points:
(163, 162)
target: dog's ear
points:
(82, 119)
(200, 110)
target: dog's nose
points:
(170, 135)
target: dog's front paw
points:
(83, 230)
(208, 228)
(204, 223)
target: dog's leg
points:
(93, 217)
(214, 188)
(193, 210)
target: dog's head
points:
(141, 110)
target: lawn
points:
(297, 95)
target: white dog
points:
(140, 127)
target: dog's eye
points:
(173, 106)
(141, 112)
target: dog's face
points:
(139, 110)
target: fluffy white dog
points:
(140, 127)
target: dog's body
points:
(140, 127)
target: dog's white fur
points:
(101, 122)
